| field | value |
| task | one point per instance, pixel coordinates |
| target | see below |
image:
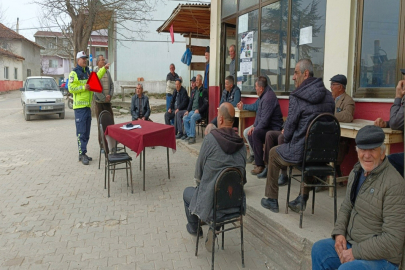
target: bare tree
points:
(78, 18)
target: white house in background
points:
(11, 66)
(57, 56)
(22, 49)
(150, 57)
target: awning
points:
(189, 19)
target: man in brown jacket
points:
(369, 231)
(344, 104)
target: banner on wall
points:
(246, 53)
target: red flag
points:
(172, 33)
(94, 82)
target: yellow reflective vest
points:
(77, 80)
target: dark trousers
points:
(256, 140)
(168, 117)
(277, 163)
(397, 160)
(99, 108)
(273, 138)
(178, 122)
(83, 124)
(192, 219)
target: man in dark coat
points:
(309, 99)
(140, 108)
(179, 102)
(268, 117)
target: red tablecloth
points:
(150, 134)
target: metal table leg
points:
(144, 150)
(168, 163)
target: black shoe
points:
(179, 136)
(193, 232)
(191, 140)
(295, 205)
(250, 159)
(184, 138)
(271, 204)
(84, 159)
(89, 158)
(263, 174)
(282, 180)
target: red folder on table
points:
(94, 82)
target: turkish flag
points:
(94, 82)
(172, 33)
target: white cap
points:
(81, 54)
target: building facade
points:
(363, 40)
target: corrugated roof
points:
(7, 33)
(188, 19)
(10, 54)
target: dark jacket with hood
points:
(222, 148)
(182, 99)
(309, 100)
(268, 115)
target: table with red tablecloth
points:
(150, 134)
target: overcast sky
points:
(28, 14)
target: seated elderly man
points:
(230, 94)
(197, 109)
(140, 108)
(268, 117)
(222, 148)
(309, 99)
(396, 122)
(178, 103)
(369, 231)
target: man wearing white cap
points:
(82, 98)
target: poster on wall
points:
(246, 53)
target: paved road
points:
(55, 213)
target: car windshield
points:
(37, 84)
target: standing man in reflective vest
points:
(82, 98)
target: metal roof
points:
(189, 19)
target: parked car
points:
(41, 95)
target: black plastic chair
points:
(114, 159)
(101, 147)
(321, 149)
(203, 122)
(228, 194)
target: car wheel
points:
(70, 103)
(26, 115)
(62, 115)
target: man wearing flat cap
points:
(344, 104)
(344, 111)
(396, 121)
(369, 231)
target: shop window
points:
(248, 26)
(377, 48)
(274, 43)
(243, 4)
(229, 7)
(307, 35)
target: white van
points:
(41, 95)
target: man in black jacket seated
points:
(179, 102)
(309, 99)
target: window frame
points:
(15, 73)
(6, 73)
(377, 92)
(28, 72)
(262, 3)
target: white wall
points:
(151, 60)
(337, 40)
(11, 63)
(32, 57)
